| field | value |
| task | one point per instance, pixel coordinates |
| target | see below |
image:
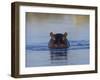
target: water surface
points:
(40, 55)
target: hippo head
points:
(58, 40)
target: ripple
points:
(74, 45)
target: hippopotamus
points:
(58, 40)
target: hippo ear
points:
(65, 34)
(52, 35)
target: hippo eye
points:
(63, 38)
(53, 38)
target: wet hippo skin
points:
(58, 40)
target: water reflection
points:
(58, 56)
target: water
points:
(41, 55)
